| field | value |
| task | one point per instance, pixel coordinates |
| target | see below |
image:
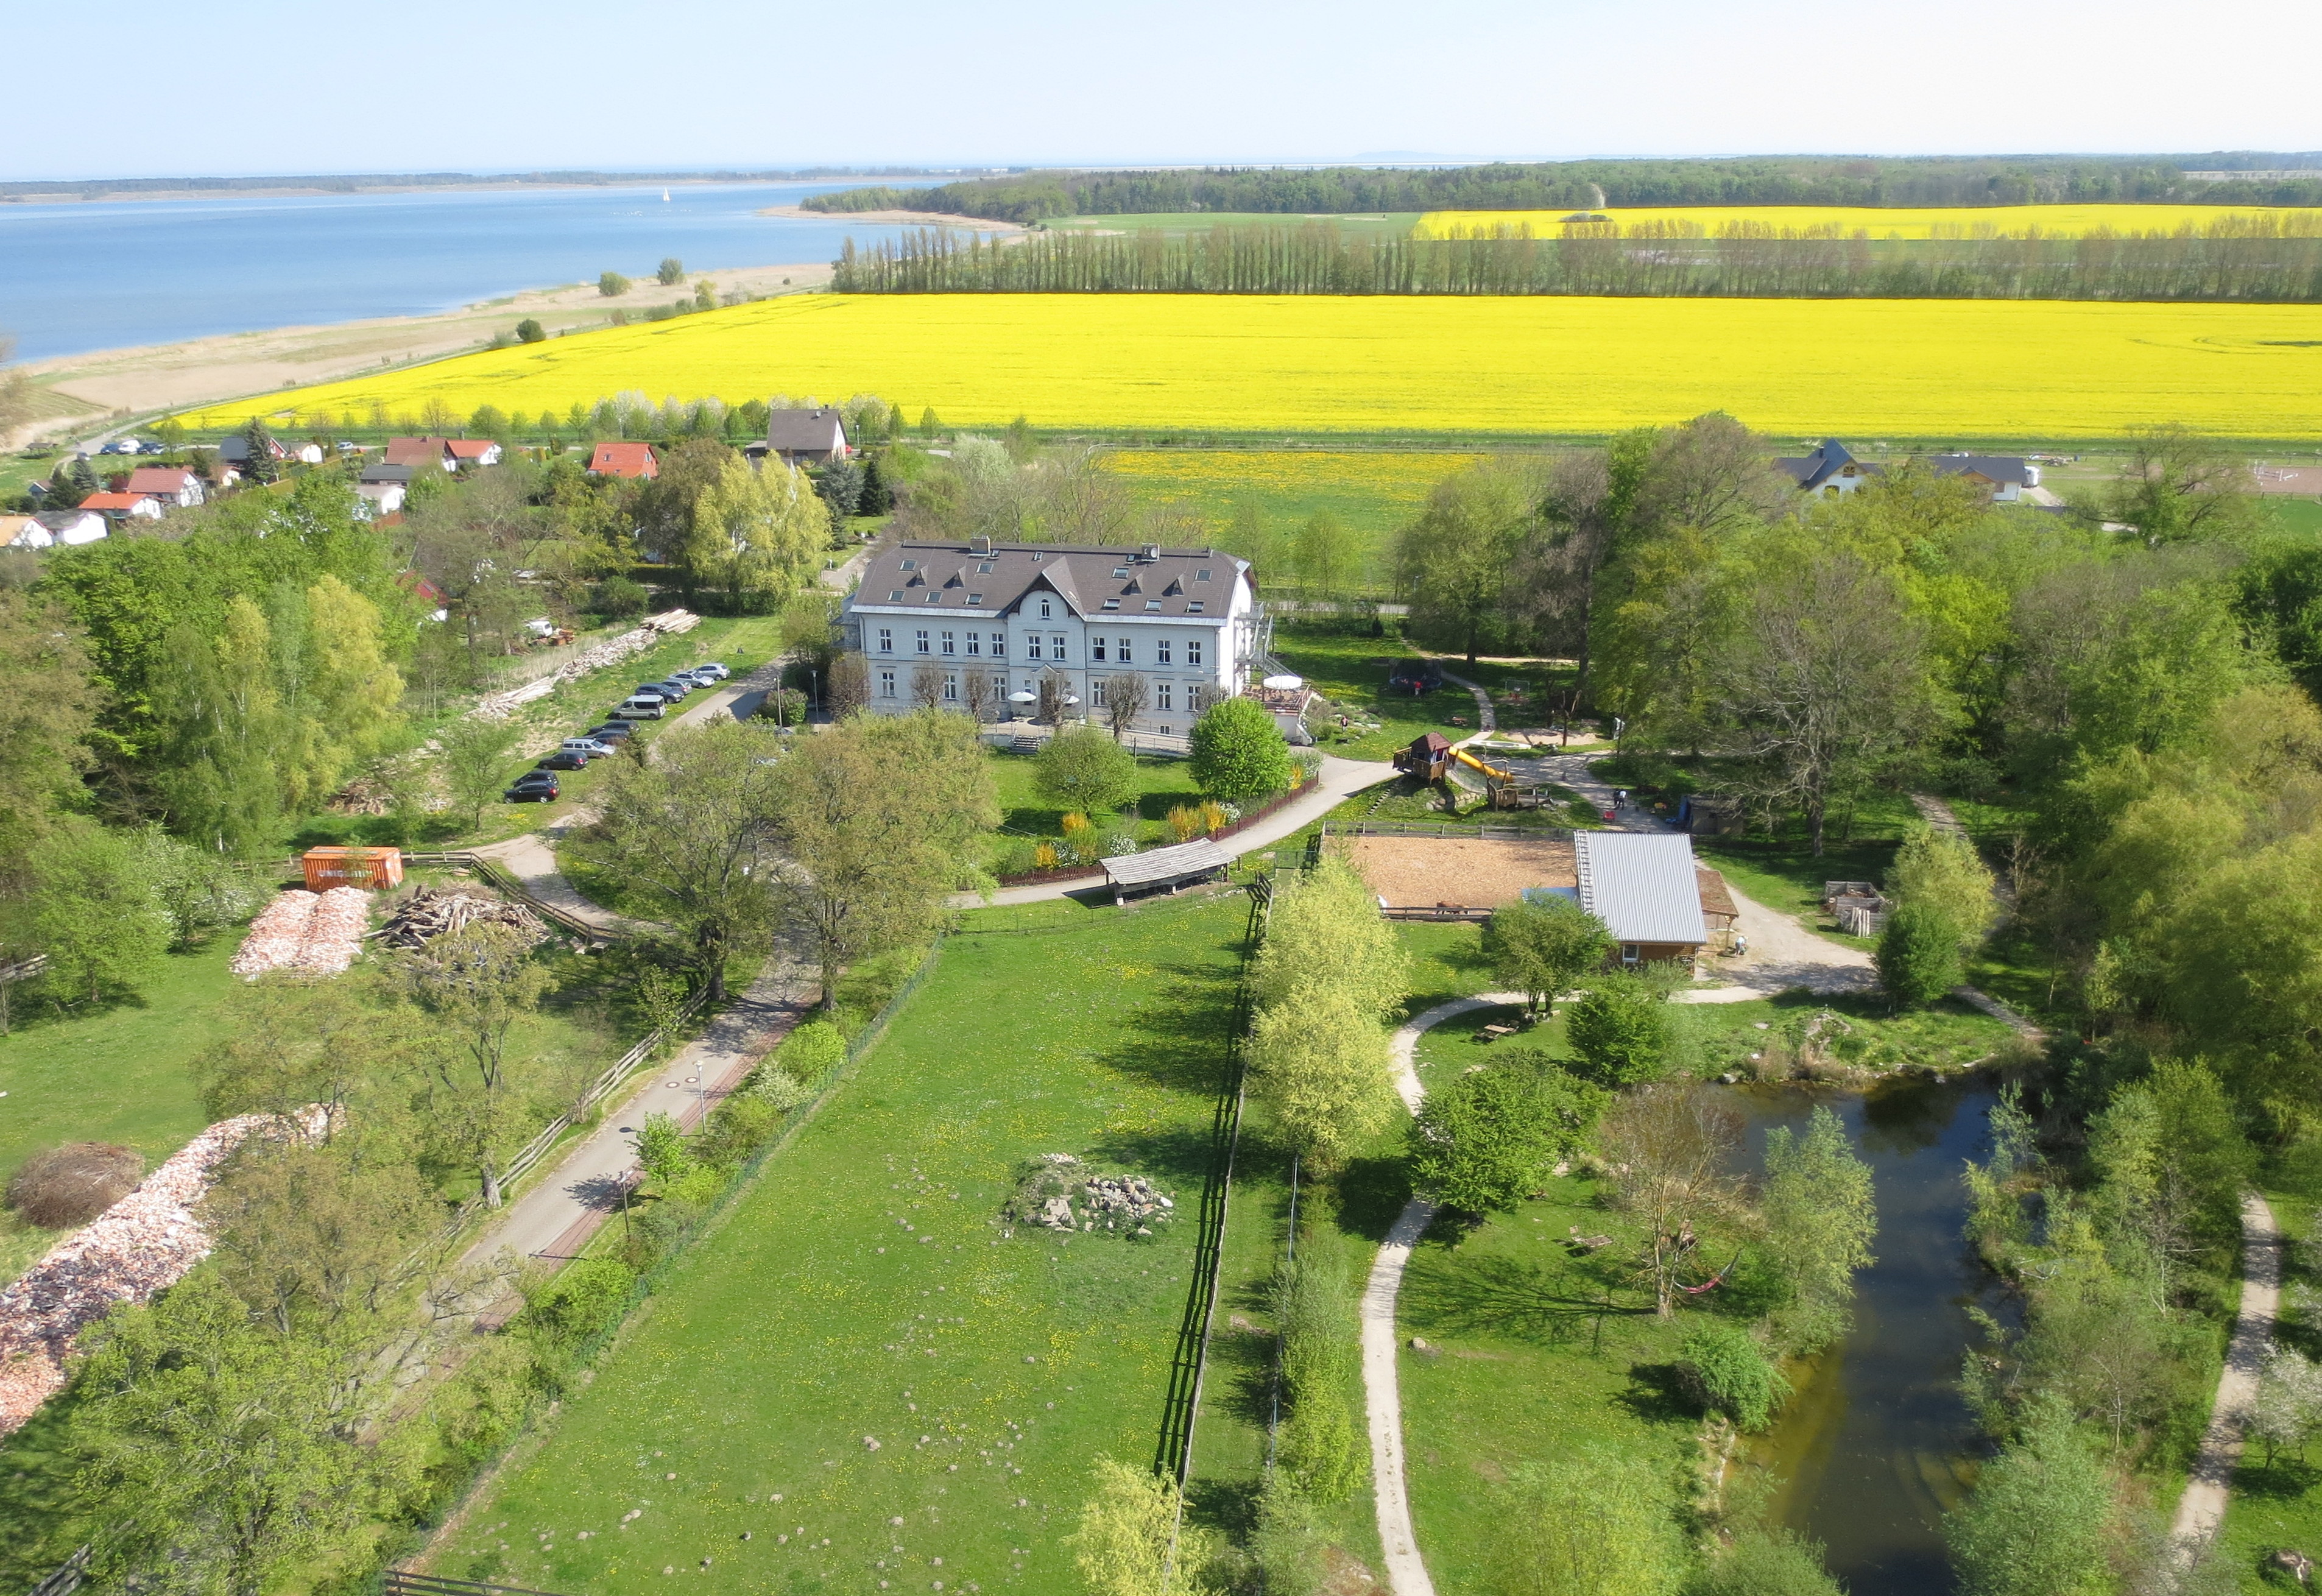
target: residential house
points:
(235, 451)
(625, 460)
(123, 507)
(1188, 621)
(23, 532)
(70, 527)
(473, 450)
(176, 486)
(1830, 470)
(2005, 477)
(436, 452)
(807, 437)
(309, 453)
(385, 487)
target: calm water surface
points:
(74, 278)
(1875, 1447)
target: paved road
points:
(558, 1212)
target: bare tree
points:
(1054, 688)
(981, 696)
(848, 686)
(1671, 1150)
(1125, 698)
(1828, 670)
(1711, 474)
(926, 687)
(2177, 486)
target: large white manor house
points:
(928, 614)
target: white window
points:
(1629, 953)
(999, 645)
(886, 684)
(923, 639)
(975, 642)
(1096, 650)
(1197, 698)
(1161, 646)
(886, 640)
(1096, 692)
(1121, 649)
(948, 646)
(1056, 648)
(999, 685)
(1044, 610)
(974, 600)
(951, 687)
(1163, 696)
(1031, 645)
(1192, 651)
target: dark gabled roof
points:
(941, 576)
(1999, 468)
(57, 520)
(806, 431)
(384, 473)
(1811, 471)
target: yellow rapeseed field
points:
(2008, 221)
(1447, 366)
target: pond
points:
(1877, 1442)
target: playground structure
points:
(1432, 758)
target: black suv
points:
(534, 786)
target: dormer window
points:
(1176, 590)
(1044, 610)
(1121, 570)
(1193, 606)
(1203, 575)
(1112, 603)
(911, 565)
(975, 598)
(1152, 604)
(933, 596)
(896, 597)
(984, 567)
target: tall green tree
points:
(1820, 1217)
(1238, 753)
(1542, 947)
(1082, 768)
(1455, 561)
(477, 984)
(1318, 1068)
(1326, 929)
(1622, 1029)
(1489, 1139)
(2036, 1523)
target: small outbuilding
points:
(123, 507)
(1165, 869)
(1645, 888)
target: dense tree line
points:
(2225, 260)
(1931, 180)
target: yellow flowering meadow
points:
(1449, 366)
(2007, 221)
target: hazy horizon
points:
(1196, 82)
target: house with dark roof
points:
(625, 460)
(1830, 471)
(806, 437)
(384, 487)
(2005, 477)
(49, 528)
(927, 617)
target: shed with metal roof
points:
(1644, 887)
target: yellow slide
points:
(1494, 771)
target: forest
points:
(2235, 260)
(1035, 197)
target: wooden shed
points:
(371, 867)
(1165, 869)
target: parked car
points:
(612, 731)
(587, 747)
(661, 690)
(534, 786)
(673, 684)
(716, 672)
(643, 707)
(564, 759)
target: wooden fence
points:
(1445, 829)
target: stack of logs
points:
(434, 912)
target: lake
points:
(74, 278)
(1880, 1442)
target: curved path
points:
(2203, 1506)
(1406, 1572)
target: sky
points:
(268, 87)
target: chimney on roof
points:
(1151, 551)
(978, 545)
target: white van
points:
(641, 708)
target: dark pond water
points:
(1877, 1443)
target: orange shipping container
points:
(327, 867)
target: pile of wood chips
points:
(310, 934)
(434, 912)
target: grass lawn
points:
(1162, 785)
(864, 1289)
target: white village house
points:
(1830, 472)
(1186, 620)
(806, 437)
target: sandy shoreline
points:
(892, 218)
(79, 393)
(95, 192)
